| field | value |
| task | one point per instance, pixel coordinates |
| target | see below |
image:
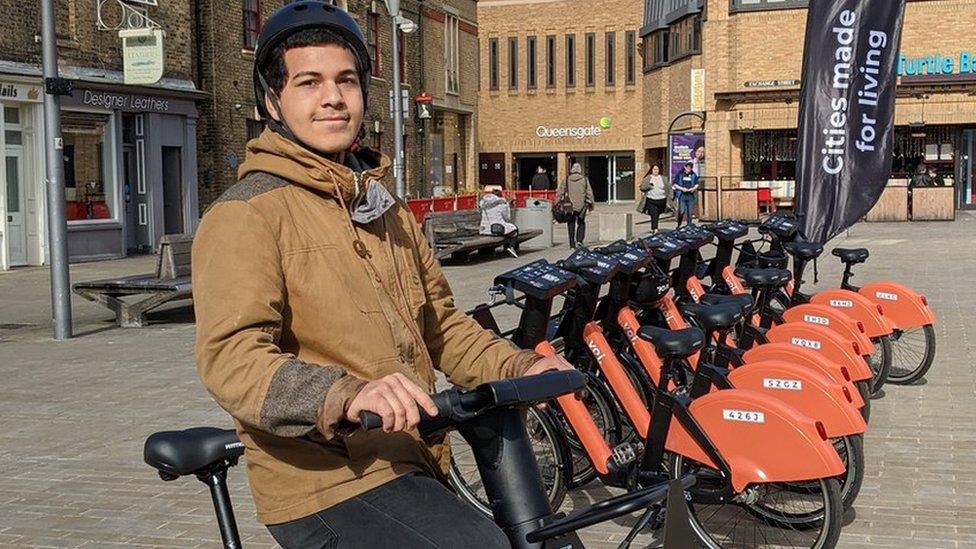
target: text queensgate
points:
(835, 134)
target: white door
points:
(16, 231)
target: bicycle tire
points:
(821, 529)
(880, 363)
(851, 451)
(915, 368)
(864, 389)
(467, 481)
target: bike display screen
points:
(783, 226)
(599, 268)
(633, 258)
(539, 279)
(728, 230)
(694, 235)
(664, 246)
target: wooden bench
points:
(170, 282)
(455, 234)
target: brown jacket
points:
(296, 305)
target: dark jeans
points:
(654, 208)
(411, 512)
(577, 228)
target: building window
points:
(252, 23)
(492, 63)
(590, 63)
(630, 45)
(570, 60)
(611, 54)
(513, 63)
(550, 61)
(769, 155)
(451, 57)
(530, 66)
(373, 41)
(756, 5)
(681, 39)
(89, 161)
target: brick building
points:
(227, 36)
(560, 83)
(129, 151)
(751, 53)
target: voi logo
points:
(816, 320)
(629, 331)
(886, 296)
(845, 303)
(808, 343)
(597, 353)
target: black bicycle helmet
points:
(299, 16)
(651, 286)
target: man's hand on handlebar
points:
(394, 398)
(548, 363)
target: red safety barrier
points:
(443, 204)
(467, 201)
(419, 207)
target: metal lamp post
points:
(56, 224)
(393, 6)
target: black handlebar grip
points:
(369, 420)
(444, 401)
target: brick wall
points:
(508, 118)
(768, 45)
(226, 75)
(82, 44)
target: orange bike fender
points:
(811, 392)
(905, 307)
(623, 389)
(858, 307)
(808, 359)
(822, 340)
(762, 439)
(834, 319)
(581, 422)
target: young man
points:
(685, 186)
(317, 297)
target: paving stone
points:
(74, 414)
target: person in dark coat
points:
(540, 181)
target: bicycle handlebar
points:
(457, 406)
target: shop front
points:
(130, 170)
(599, 148)
(21, 201)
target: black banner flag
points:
(847, 104)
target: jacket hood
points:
(271, 153)
(575, 176)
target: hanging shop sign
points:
(142, 55)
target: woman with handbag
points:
(653, 201)
(578, 192)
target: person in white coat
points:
(496, 218)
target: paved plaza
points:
(74, 414)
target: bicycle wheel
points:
(551, 454)
(913, 351)
(600, 405)
(764, 515)
(851, 452)
(880, 363)
(864, 389)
